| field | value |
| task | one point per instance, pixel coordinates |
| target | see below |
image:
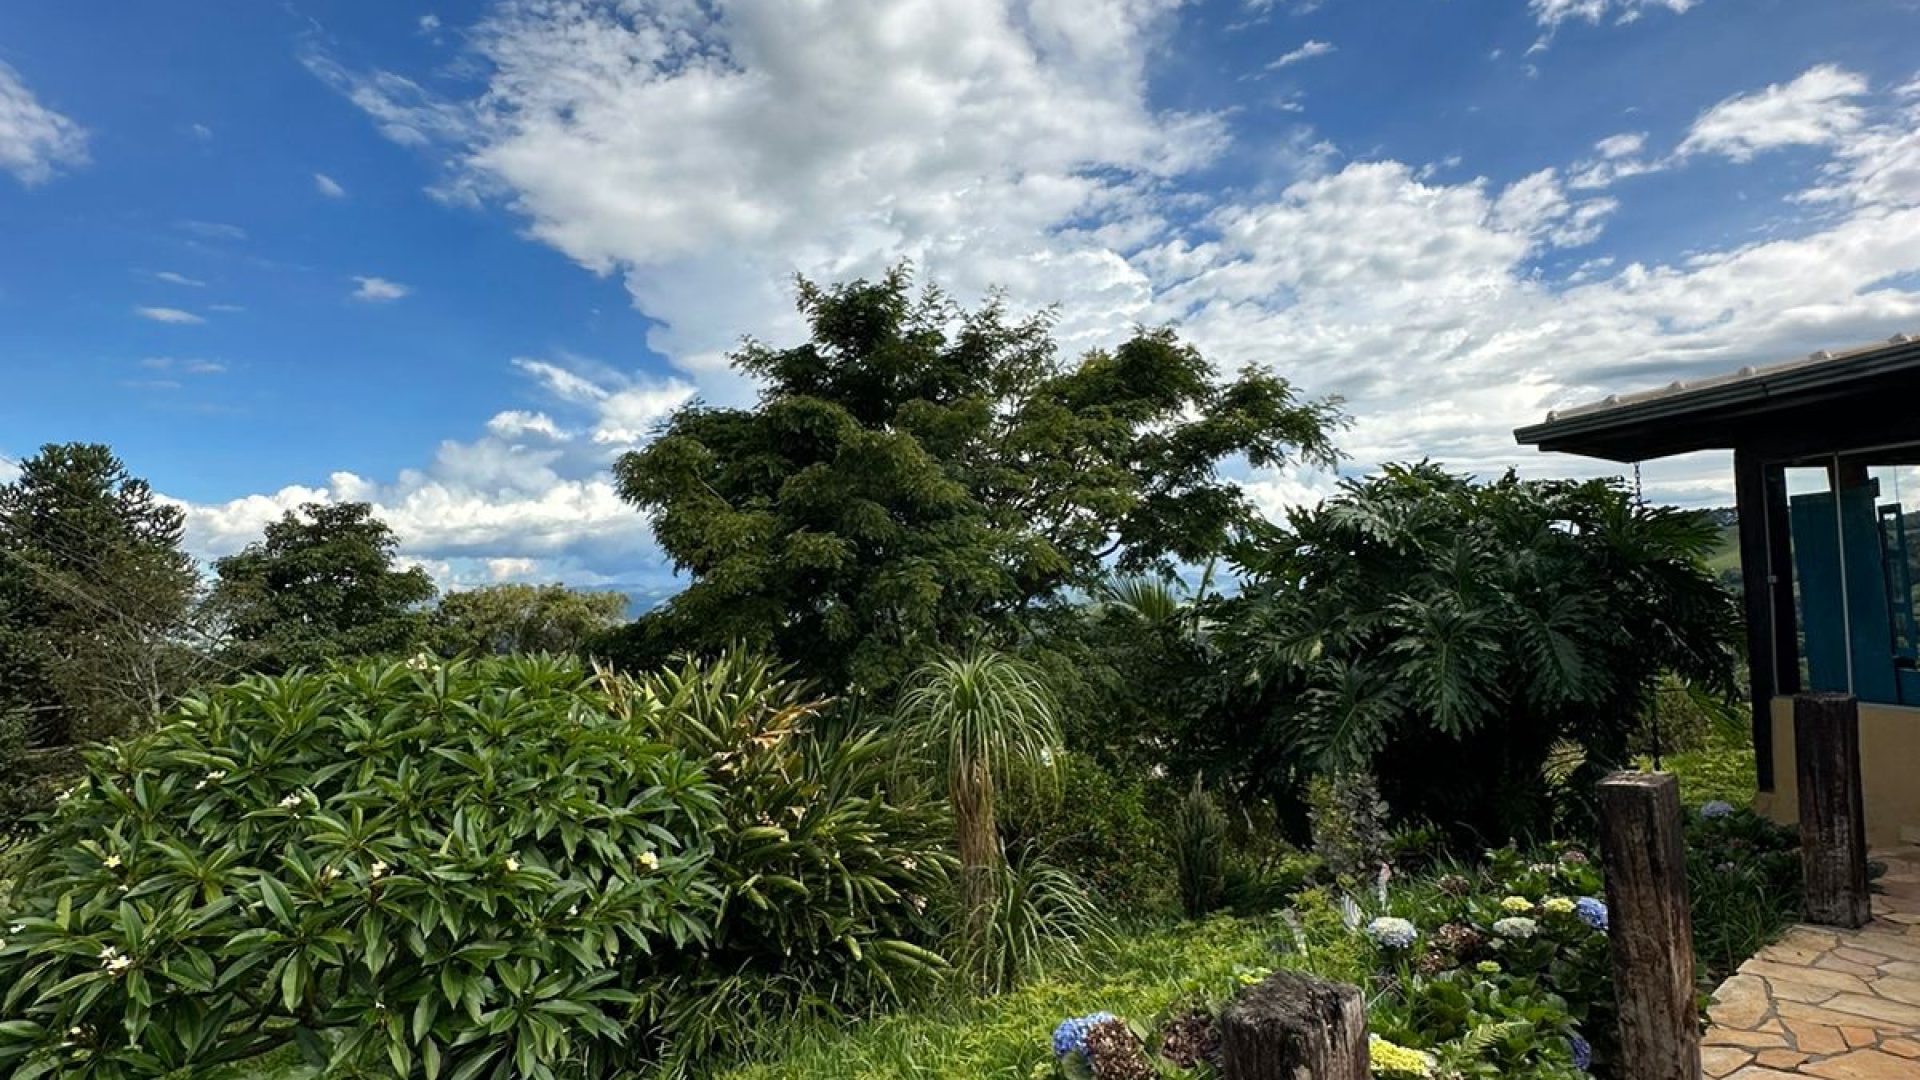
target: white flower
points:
(111, 862)
(291, 801)
(1392, 933)
(377, 870)
(114, 960)
(3, 943)
(420, 662)
(573, 910)
(17, 928)
(213, 777)
(327, 874)
(649, 860)
(75, 1031)
(513, 865)
(908, 863)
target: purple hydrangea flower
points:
(1071, 1036)
(1582, 1053)
(1591, 911)
(1716, 809)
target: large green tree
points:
(507, 619)
(917, 475)
(94, 596)
(321, 585)
(1487, 649)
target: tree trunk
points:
(979, 843)
(1295, 1027)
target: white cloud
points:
(1305, 52)
(35, 141)
(174, 316)
(520, 500)
(704, 152)
(328, 186)
(1551, 13)
(376, 290)
(211, 230)
(429, 23)
(1818, 108)
(173, 278)
(201, 132)
(518, 423)
(185, 366)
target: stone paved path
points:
(1838, 1004)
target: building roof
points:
(1827, 391)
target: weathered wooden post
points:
(1833, 826)
(1649, 928)
(1290, 1026)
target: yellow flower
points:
(649, 860)
(1518, 905)
(1558, 905)
(1393, 1060)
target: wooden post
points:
(1833, 826)
(1289, 1026)
(1650, 929)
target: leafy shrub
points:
(825, 859)
(1743, 880)
(1041, 919)
(454, 870)
(1199, 851)
(1098, 828)
(1349, 823)
(1262, 882)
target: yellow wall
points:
(1889, 770)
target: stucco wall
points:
(1889, 770)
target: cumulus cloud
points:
(523, 495)
(705, 152)
(174, 316)
(35, 141)
(328, 186)
(1819, 108)
(1305, 52)
(377, 290)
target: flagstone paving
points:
(1821, 1002)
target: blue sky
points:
(453, 258)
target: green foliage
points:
(1199, 840)
(917, 475)
(1040, 919)
(1450, 635)
(1743, 878)
(1720, 768)
(320, 586)
(826, 861)
(1349, 824)
(1098, 827)
(981, 721)
(93, 591)
(460, 870)
(1155, 973)
(502, 620)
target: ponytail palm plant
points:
(984, 719)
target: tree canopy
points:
(321, 585)
(507, 619)
(93, 592)
(1457, 637)
(916, 475)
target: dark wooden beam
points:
(1833, 824)
(1651, 930)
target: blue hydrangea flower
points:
(1071, 1036)
(1716, 809)
(1593, 912)
(1389, 932)
(1582, 1053)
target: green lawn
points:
(1007, 1036)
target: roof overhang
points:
(1843, 398)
